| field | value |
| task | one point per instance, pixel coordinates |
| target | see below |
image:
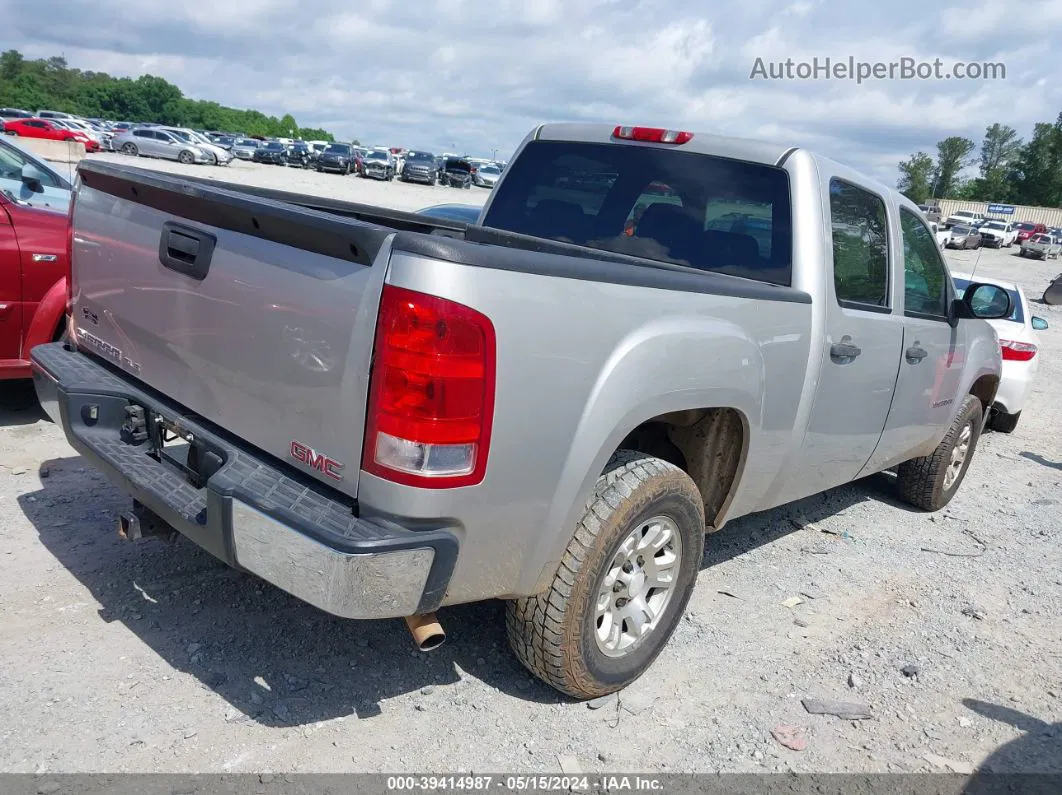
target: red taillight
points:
(431, 393)
(1017, 351)
(656, 135)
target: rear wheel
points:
(622, 584)
(929, 482)
(1003, 422)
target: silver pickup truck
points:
(647, 333)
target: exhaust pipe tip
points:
(427, 632)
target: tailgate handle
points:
(186, 250)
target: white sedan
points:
(1019, 344)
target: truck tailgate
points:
(256, 315)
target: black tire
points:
(921, 480)
(130, 149)
(1004, 423)
(185, 158)
(554, 633)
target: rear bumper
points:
(1014, 383)
(250, 513)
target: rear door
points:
(864, 335)
(932, 362)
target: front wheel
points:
(929, 482)
(622, 585)
(186, 157)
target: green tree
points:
(953, 155)
(999, 149)
(11, 62)
(52, 83)
(1036, 177)
(916, 175)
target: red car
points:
(43, 128)
(1027, 230)
(33, 277)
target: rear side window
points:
(860, 246)
(666, 204)
(924, 272)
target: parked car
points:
(156, 142)
(457, 173)
(337, 158)
(1019, 345)
(34, 200)
(220, 155)
(1053, 292)
(14, 113)
(705, 377)
(1040, 246)
(963, 236)
(420, 167)
(379, 164)
(29, 180)
(54, 114)
(998, 234)
(48, 130)
(487, 175)
(273, 152)
(1055, 232)
(964, 217)
(942, 236)
(244, 148)
(1027, 229)
(298, 155)
(77, 125)
(930, 210)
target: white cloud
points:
(478, 75)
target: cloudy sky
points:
(477, 75)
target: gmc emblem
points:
(322, 463)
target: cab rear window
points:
(665, 204)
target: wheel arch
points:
(48, 317)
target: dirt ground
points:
(120, 657)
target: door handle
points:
(186, 250)
(844, 351)
(915, 354)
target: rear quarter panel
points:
(579, 365)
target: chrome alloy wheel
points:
(958, 456)
(637, 586)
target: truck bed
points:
(255, 309)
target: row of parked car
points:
(369, 162)
(966, 229)
(219, 148)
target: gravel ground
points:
(118, 657)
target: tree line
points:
(1009, 170)
(50, 83)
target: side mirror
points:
(1039, 324)
(32, 178)
(983, 301)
